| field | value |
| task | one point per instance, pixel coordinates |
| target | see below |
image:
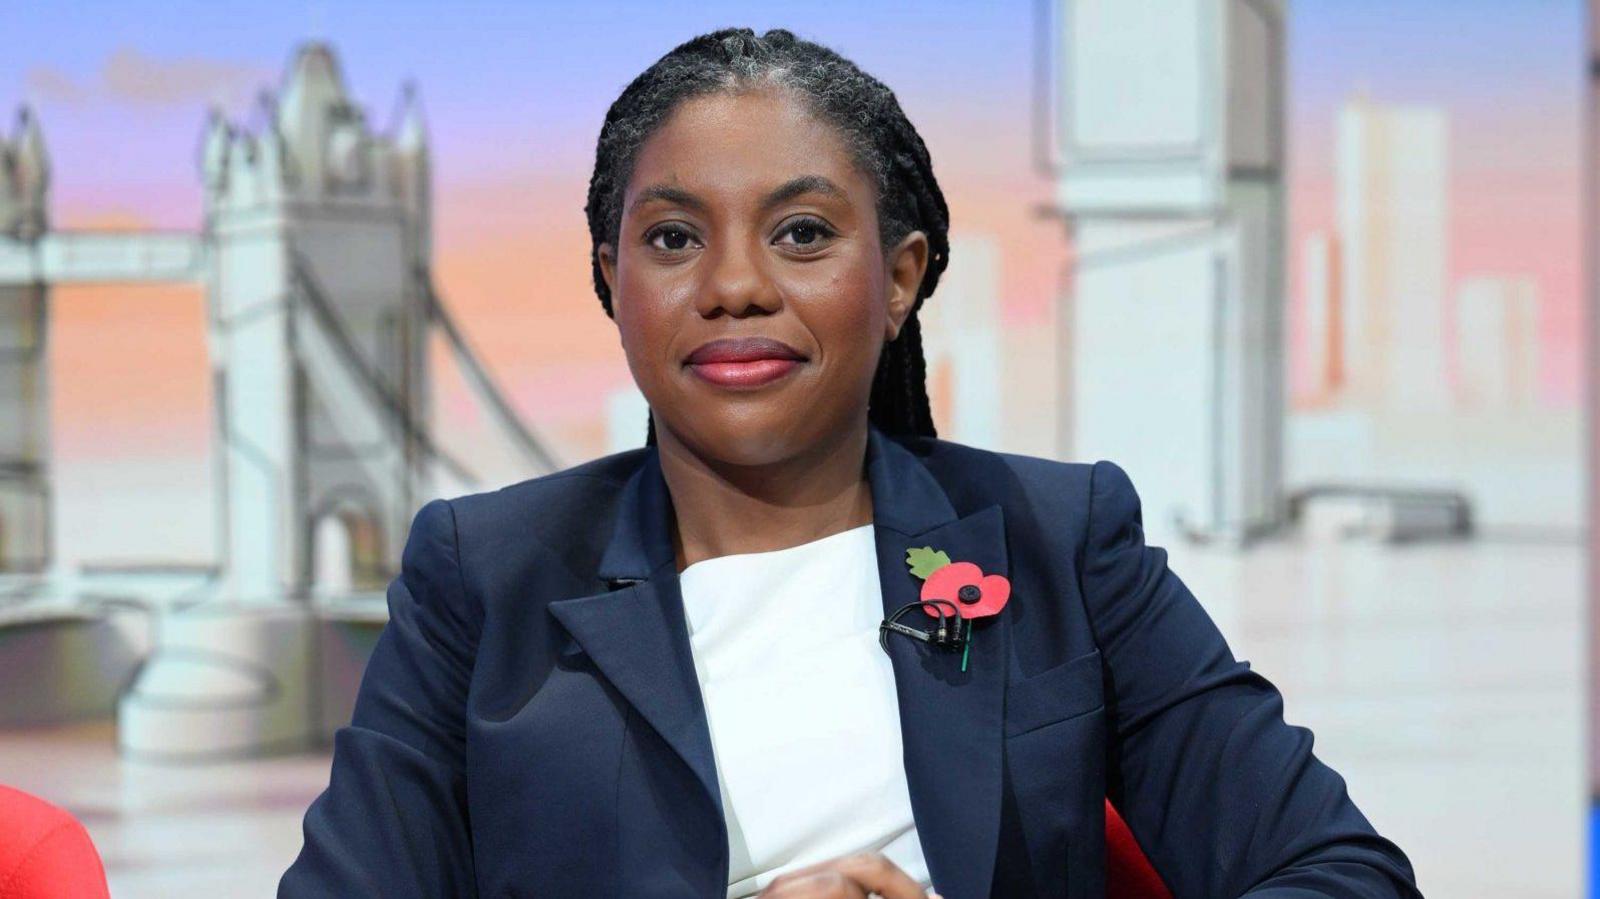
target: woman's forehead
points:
(744, 148)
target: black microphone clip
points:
(951, 632)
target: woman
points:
(660, 673)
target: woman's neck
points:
(723, 509)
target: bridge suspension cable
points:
(326, 321)
(478, 376)
(349, 356)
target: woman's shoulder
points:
(1004, 476)
(1085, 504)
(551, 505)
(548, 504)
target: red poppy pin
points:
(957, 588)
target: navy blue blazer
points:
(530, 722)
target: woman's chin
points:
(751, 437)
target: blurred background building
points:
(1311, 271)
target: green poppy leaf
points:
(926, 560)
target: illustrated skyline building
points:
(1168, 139)
(962, 342)
(1322, 314)
(25, 514)
(1497, 342)
(1391, 177)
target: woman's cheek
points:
(640, 316)
(641, 348)
(855, 325)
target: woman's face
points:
(746, 217)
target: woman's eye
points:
(808, 233)
(669, 238)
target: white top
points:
(800, 699)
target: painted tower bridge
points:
(314, 257)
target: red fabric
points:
(44, 852)
(1128, 873)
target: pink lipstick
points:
(743, 362)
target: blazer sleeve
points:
(393, 820)
(1225, 797)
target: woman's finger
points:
(868, 872)
(825, 883)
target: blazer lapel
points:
(950, 720)
(635, 631)
(637, 638)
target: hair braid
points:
(868, 117)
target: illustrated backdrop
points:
(1435, 172)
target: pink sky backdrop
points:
(513, 115)
(1510, 78)
(1515, 208)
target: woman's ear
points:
(608, 270)
(907, 262)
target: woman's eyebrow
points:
(805, 184)
(675, 195)
(788, 190)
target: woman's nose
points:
(737, 281)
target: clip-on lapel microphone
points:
(950, 633)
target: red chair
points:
(1129, 874)
(44, 852)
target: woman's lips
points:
(743, 362)
(751, 373)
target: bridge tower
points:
(1168, 141)
(319, 310)
(24, 373)
(319, 234)
(314, 256)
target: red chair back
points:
(45, 852)
(1129, 874)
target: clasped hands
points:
(857, 876)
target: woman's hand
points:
(847, 877)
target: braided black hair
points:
(885, 145)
